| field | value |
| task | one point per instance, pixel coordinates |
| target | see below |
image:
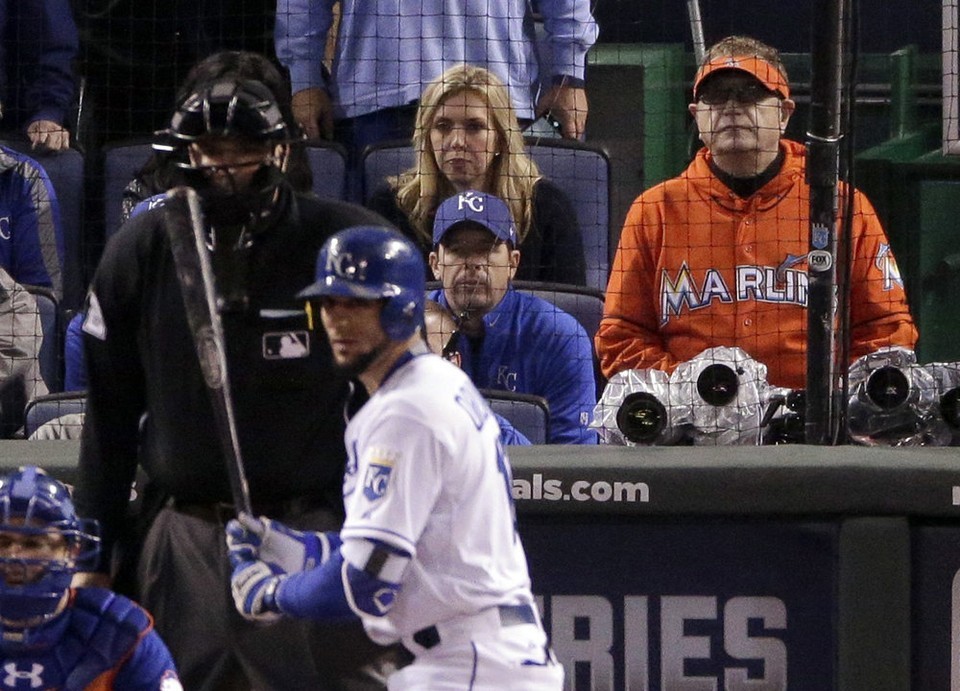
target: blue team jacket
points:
(31, 239)
(532, 346)
(42, 54)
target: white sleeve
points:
(399, 477)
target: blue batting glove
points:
(244, 539)
(286, 550)
(254, 586)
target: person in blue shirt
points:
(38, 44)
(443, 339)
(386, 52)
(509, 340)
(74, 365)
(31, 239)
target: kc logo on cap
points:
(477, 207)
(471, 199)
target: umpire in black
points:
(148, 403)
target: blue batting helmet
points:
(374, 263)
(42, 544)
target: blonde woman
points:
(467, 137)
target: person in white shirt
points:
(428, 553)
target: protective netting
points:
(586, 108)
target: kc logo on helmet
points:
(342, 264)
(474, 201)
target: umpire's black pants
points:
(184, 581)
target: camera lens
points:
(950, 407)
(888, 387)
(797, 401)
(717, 384)
(641, 417)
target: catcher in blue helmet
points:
(428, 554)
(52, 637)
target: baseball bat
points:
(188, 242)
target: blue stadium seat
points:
(584, 304)
(528, 413)
(328, 163)
(66, 170)
(382, 161)
(46, 408)
(51, 348)
(581, 171)
(121, 162)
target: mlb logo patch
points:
(286, 345)
(376, 481)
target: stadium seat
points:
(381, 161)
(121, 162)
(583, 172)
(46, 408)
(51, 348)
(328, 163)
(66, 170)
(528, 413)
(585, 304)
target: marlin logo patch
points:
(791, 261)
(887, 264)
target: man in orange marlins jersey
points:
(717, 255)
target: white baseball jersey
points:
(426, 473)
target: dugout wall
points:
(736, 568)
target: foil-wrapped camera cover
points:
(894, 401)
(721, 395)
(635, 409)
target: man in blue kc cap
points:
(479, 209)
(510, 341)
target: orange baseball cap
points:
(765, 72)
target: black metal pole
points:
(823, 158)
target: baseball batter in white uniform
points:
(428, 554)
